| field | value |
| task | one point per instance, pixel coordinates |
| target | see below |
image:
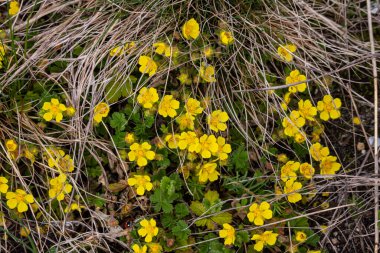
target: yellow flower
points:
(329, 166)
(53, 110)
(101, 111)
(162, 49)
(300, 137)
(20, 199)
(117, 51)
(301, 236)
(59, 187)
(185, 121)
(70, 111)
(137, 249)
(307, 170)
(3, 185)
(216, 121)
(141, 183)
(190, 30)
(74, 207)
(190, 141)
(228, 233)
(208, 52)
(184, 78)
(356, 121)
(329, 108)
(24, 232)
(172, 140)
(226, 38)
(291, 188)
(285, 52)
(148, 65)
(266, 238)
(318, 152)
(307, 110)
(282, 158)
(296, 77)
(293, 123)
(168, 106)
(129, 46)
(147, 97)
(141, 153)
(288, 171)
(313, 251)
(148, 229)
(154, 248)
(208, 172)
(258, 213)
(193, 107)
(207, 145)
(14, 8)
(52, 155)
(223, 149)
(65, 164)
(11, 145)
(207, 73)
(129, 138)
(286, 101)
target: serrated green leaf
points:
(181, 230)
(118, 121)
(197, 208)
(181, 210)
(212, 197)
(117, 89)
(222, 218)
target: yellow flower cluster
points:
(120, 50)
(286, 52)
(53, 110)
(59, 187)
(329, 108)
(259, 212)
(141, 153)
(19, 199)
(2, 54)
(228, 233)
(101, 111)
(328, 164)
(296, 77)
(14, 8)
(141, 183)
(148, 229)
(263, 239)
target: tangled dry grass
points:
(335, 46)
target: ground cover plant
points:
(188, 126)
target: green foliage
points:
(239, 160)
(181, 210)
(210, 206)
(118, 121)
(213, 246)
(117, 89)
(181, 230)
(164, 196)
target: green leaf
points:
(181, 230)
(118, 121)
(96, 201)
(212, 196)
(117, 89)
(240, 160)
(222, 218)
(181, 210)
(118, 139)
(197, 208)
(94, 172)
